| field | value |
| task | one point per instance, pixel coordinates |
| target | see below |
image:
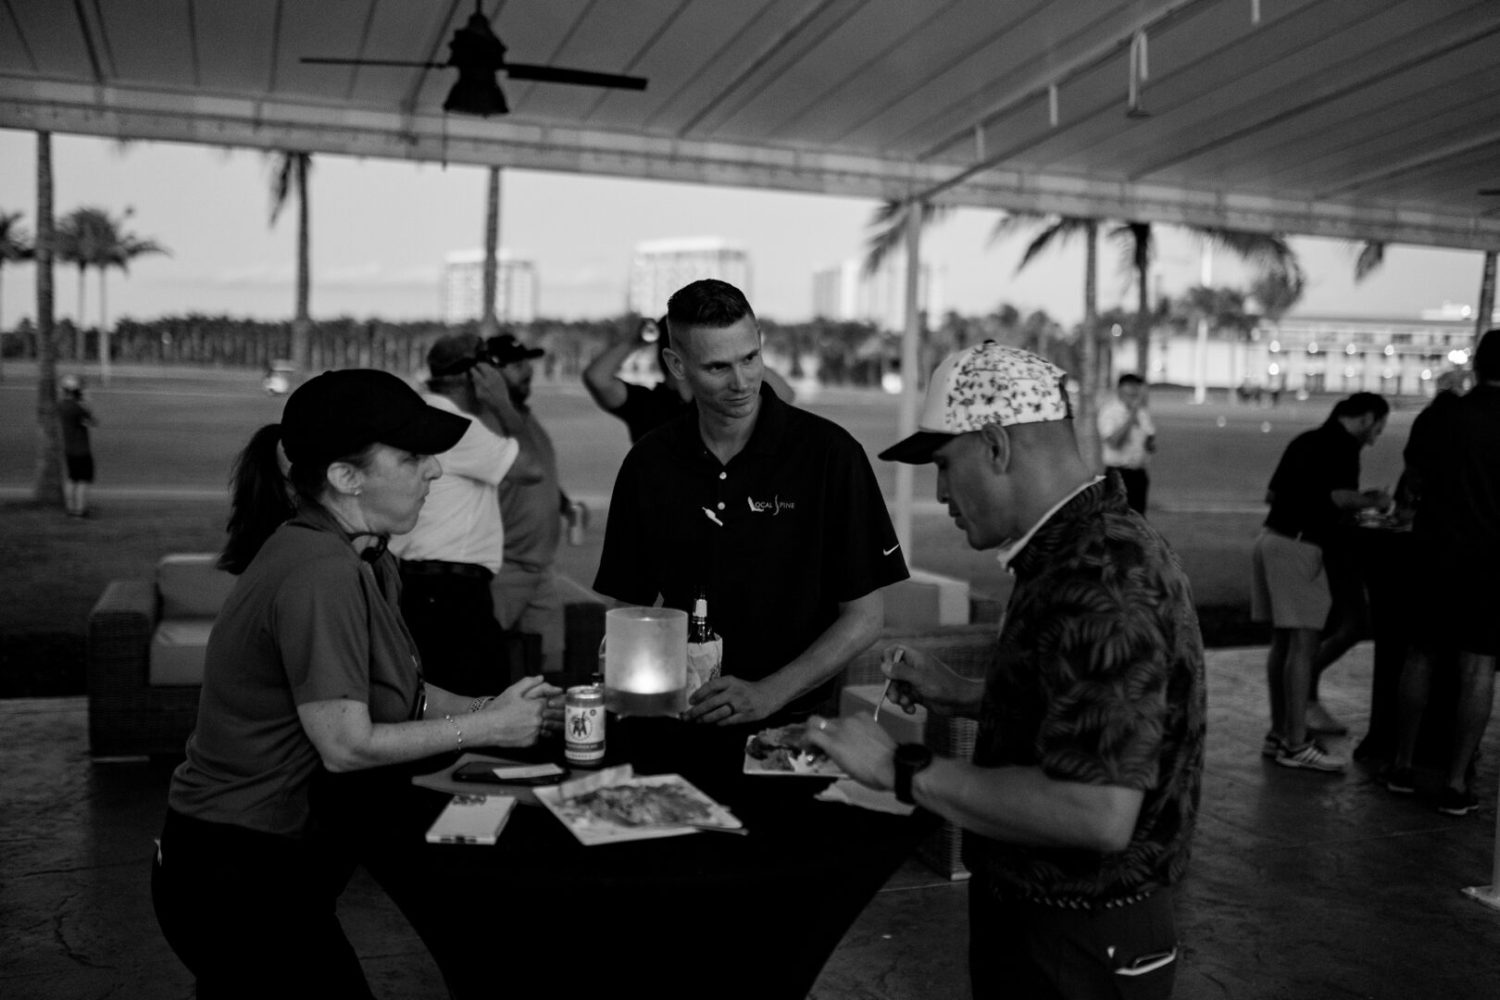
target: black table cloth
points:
(703, 915)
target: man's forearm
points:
(601, 377)
(1022, 805)
(857, 625)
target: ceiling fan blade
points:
(560, 74)
(325, 61)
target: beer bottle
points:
(698, 628)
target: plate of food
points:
(785, 751)
(617, 805)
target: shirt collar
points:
(1006, 554)
(765, 438)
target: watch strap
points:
(909, 758)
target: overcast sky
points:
(380, 230)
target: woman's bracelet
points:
(480, 702)
(457, 731)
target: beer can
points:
(583, 725)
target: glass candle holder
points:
(645, 661)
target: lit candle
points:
(645, 661)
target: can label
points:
(583, 726)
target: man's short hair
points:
(1361, 403)
(709, 302)
(1129, 378)
(1487, 357)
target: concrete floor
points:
(1301, 886)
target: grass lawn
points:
(178, 432)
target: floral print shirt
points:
(1098, 679)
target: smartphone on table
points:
(492, 772)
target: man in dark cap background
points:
(458, 544)
(532, 504)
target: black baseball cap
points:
(455, 354)
(339, 413)
(506, 349)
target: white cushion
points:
(926, 600)
(177, 649)
(191, 586)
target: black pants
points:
(452, 619)
(251, 914)
(1030, 951)
(1136, 484)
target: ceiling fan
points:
(479, 55)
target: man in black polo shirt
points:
(1315, 485)
(773, 511)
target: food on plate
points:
(784, 750)
(645, 805)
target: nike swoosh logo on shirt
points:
(893, 548)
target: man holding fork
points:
(1080, 802)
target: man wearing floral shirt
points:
(1081, 799)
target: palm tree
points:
(1371, 257)
(124, 247)
(91, 237)
(888, 229)
(1058, 230)
(82, 238)
(13, 247)
(288, 176)
(1220, 309)
(47, 487)
(489, 325)
(1139, 247)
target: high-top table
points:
(702, 915)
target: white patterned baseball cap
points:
(985, 384)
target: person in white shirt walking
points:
(456, 548)
(1128, 438)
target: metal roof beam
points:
(129, 113)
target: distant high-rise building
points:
(660, 267)
(844, 292)
(463, 287)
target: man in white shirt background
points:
(450, 557)
(1128, 438)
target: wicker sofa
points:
(146, 639)
(968, 650)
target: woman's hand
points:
(524, 712)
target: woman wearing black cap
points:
(310, 668)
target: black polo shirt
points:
(644, 409)
(1316, 463)
(1455, 449)
(791, 527)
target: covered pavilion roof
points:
(1357, 119)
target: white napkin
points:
(854, 794)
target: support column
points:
(489, 324)
(910, 339)
(1484, 317)
(1200, 363)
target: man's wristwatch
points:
(909, 759)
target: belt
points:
(1296, 536)
(437, 567)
